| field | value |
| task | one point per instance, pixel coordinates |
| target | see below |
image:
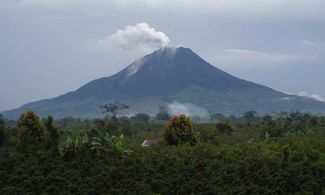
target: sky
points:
(51, 47)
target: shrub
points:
(224, 127)
(29, 123)
(180, 130)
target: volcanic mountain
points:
(167, 75)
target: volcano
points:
(168, 75)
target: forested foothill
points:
(278, 153)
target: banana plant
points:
(107, 145)
(68, 148)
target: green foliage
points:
(29, 123)
(31, 134)
(2, 129)
(91, 144)
(94, 161)
(270, 127)
(125, 126)
(180, 130)
(224, 127)
(263, 168)
(99, 124)
(112, 127)
(250, 115)
(53, 132)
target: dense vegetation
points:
(279, 153)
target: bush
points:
(180, 130)
(224, 127)
(29, 123)
(31, 134)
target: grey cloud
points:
(244, 58)
(264, 8)
(309, 43)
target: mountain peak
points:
(163, 54)
(173, 50)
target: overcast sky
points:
(50, 47)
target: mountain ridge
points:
(167, 75)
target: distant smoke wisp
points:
(139, 39)
(312, 96)
(177, 108)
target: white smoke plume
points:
(140, 39)
(312, 96)
(177, 108)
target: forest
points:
(278, 153)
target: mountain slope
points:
(167, 75)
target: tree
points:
(249, 116)
(180, 130)
(224, 127)
(162, 114)
(114, 107)
(33, 138)
(141, 117)
(268, 123)
(216, 116)
(29, 123)
(125, 126)
(313, 121)
(295, 115)
(269, 126)
(99, 124)
(53, 131)
(2, 129)
(112, 126)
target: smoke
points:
(140, 39)
(177, 108)
(312, 96)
